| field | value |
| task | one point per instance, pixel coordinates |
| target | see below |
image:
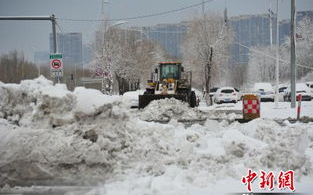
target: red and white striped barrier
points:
(299, 106)
(251, 106)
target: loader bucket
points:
(144, 100)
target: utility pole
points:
(203, 8)
(54, 34)
(51, 18)
(226, 17)
(277, 56)
(271, 25)
(293, 54)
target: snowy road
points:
(268, 109)
(53, 137)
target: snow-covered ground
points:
(51, 136)
(268, 109)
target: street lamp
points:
(277, 56)
(118, 23)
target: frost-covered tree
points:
(124, 55)
(262, 62)
(304, 46)
(14, 68)
(304, 50)
(261, 66)
(206, 50)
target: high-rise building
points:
(87, 54)
(284, 30)
(169, 36)
(251, 30)
(70, 45)
(254, 30)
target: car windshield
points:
(227, 91)
(213, 89)
(282, 89)
(169, 71)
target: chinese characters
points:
(267, 180)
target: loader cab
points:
(170, 70)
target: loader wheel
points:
(192, 99)
(148, 92)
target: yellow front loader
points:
(169, 81)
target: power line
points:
(267, 55)
(165, 31)
(137, 17)
(59, 27)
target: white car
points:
(225, 95)
(310, 85)
(132, 97)
(265, 91)
(301, 88)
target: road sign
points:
(56, 65)
(99, 72)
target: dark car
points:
(213, 91)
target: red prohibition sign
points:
(56, 63)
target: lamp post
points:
(277, 57)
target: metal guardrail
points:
(90, 80)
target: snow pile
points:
(200, 159)
(166, 109)
(48, 132)
(39, 102)
(133, 95)
(137, 157)
(36, 101)
(50, 136)
(71, 154)
(284, 145)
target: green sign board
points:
(56, 65)
(55, 56)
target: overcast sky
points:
(30, 36)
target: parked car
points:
(301, 88)
(213, 91)
(282, 89)
(226, 95)
(265, 91)
(239, 94)
(281, 92)
(310, 85)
